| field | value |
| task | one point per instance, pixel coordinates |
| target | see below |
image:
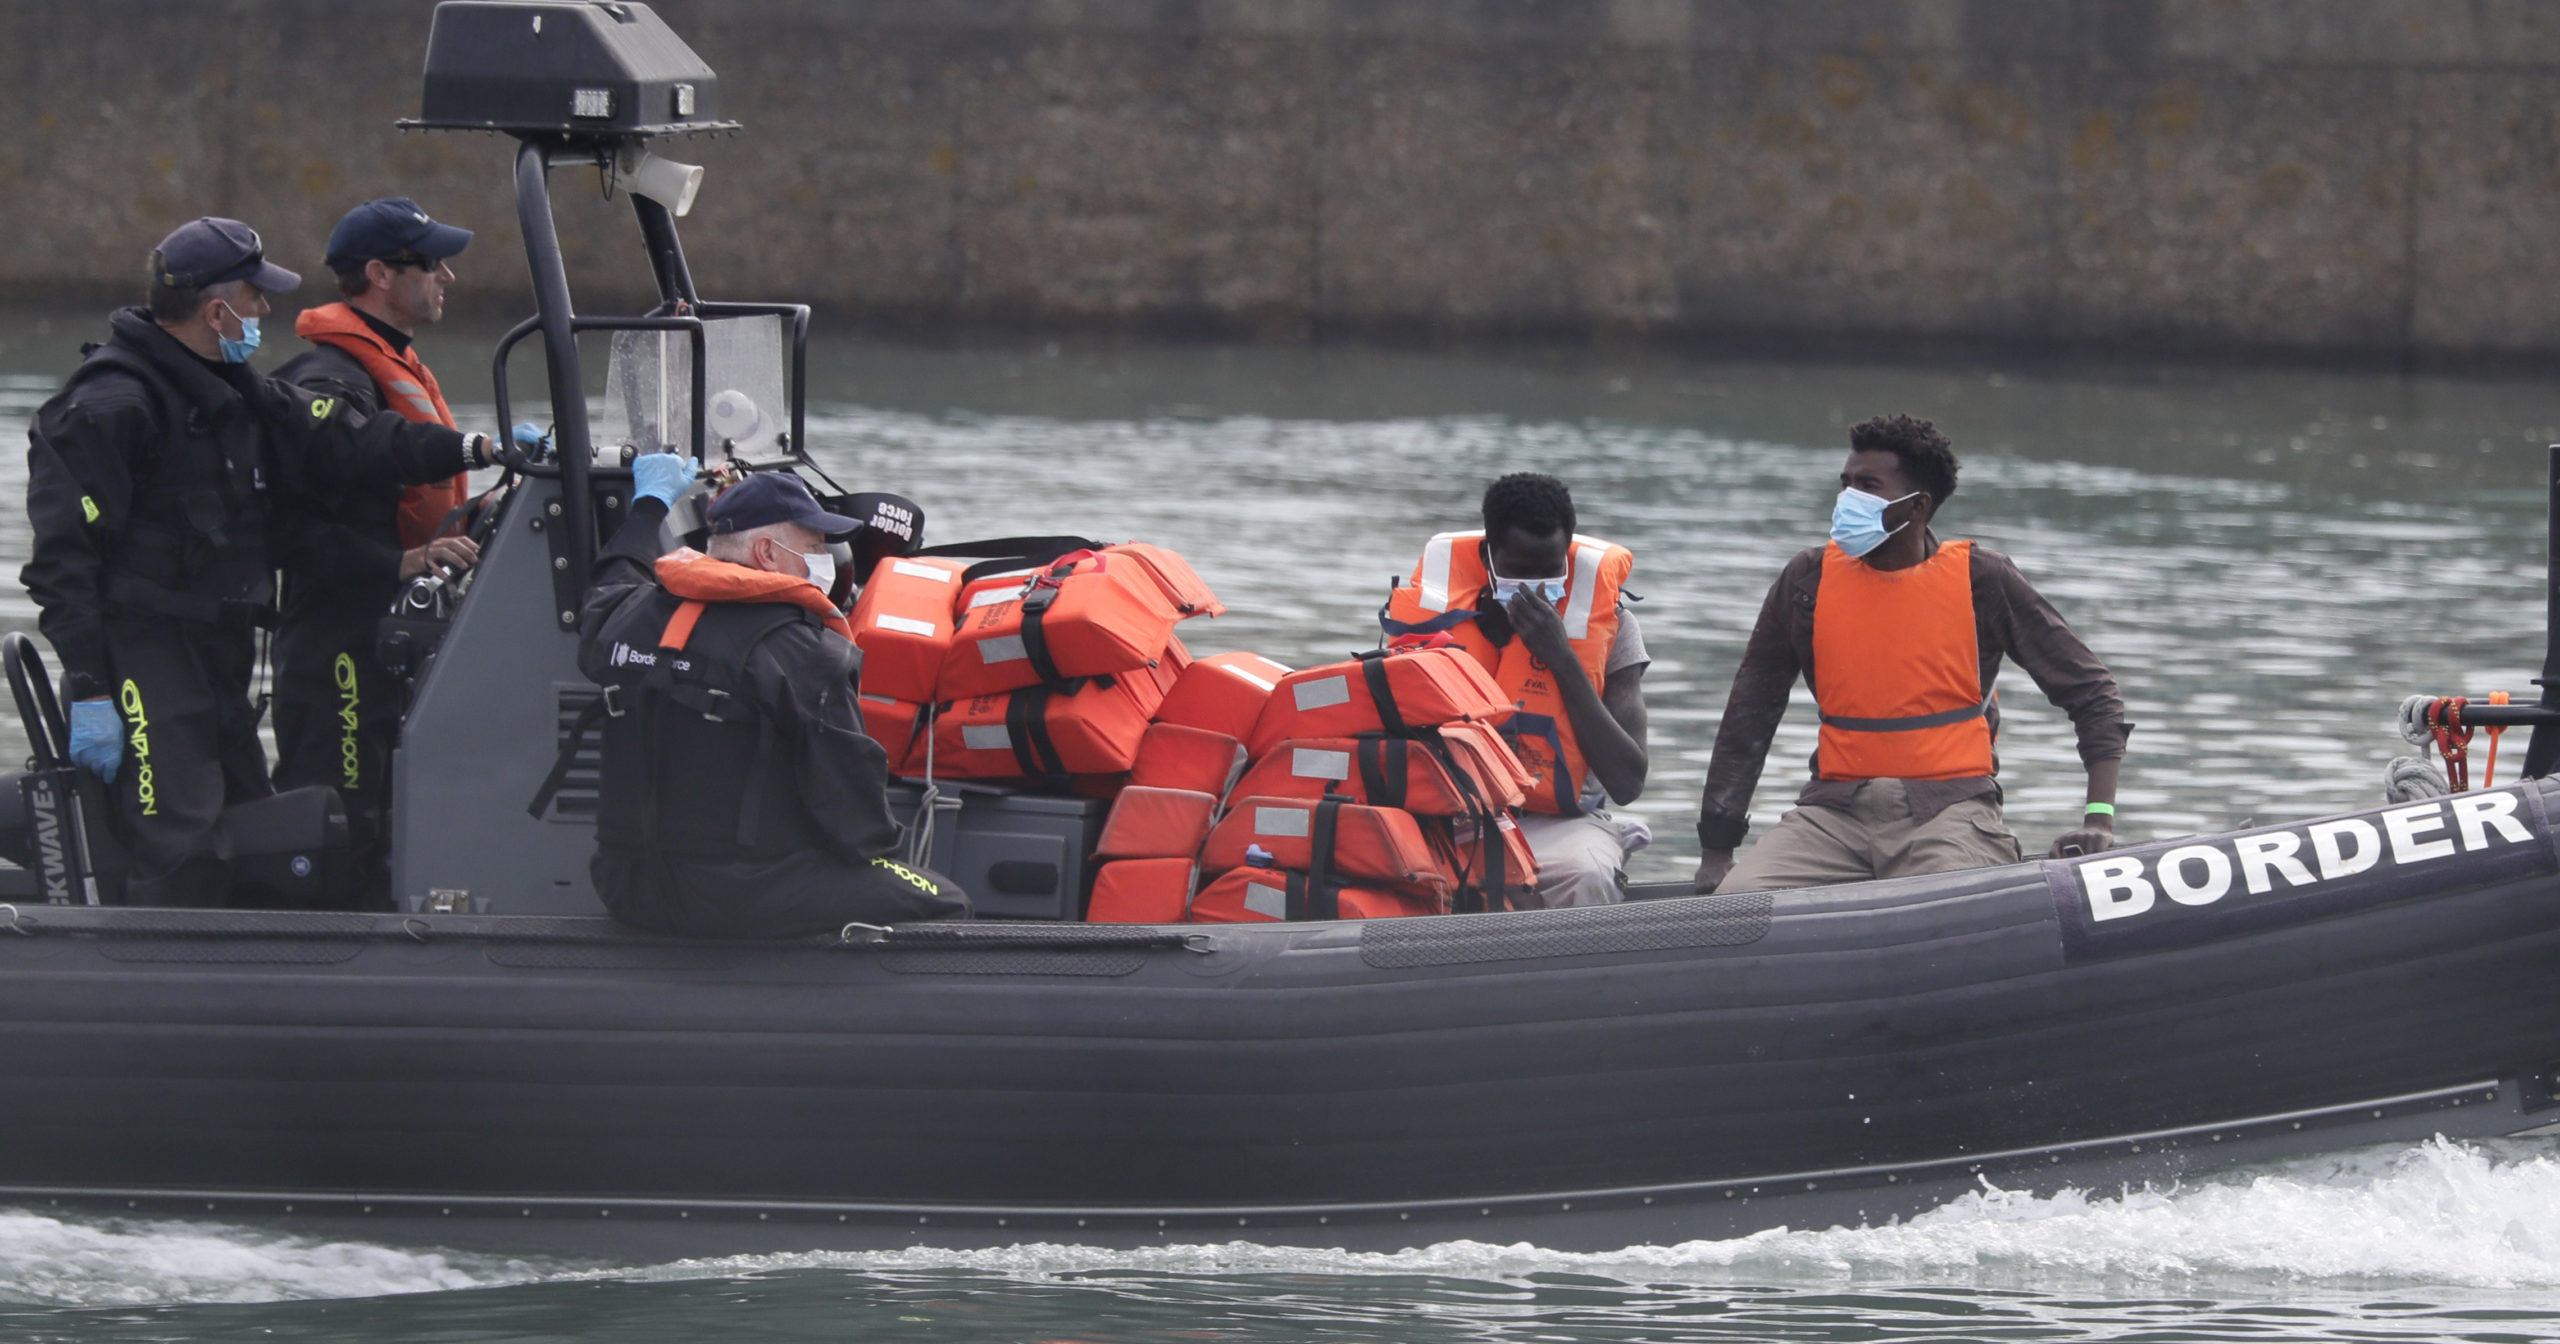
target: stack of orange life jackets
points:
(1369, 788)
(1047, 672)
(1188, 759)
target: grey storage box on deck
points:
(1018, 855)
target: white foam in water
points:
(2475, 1215)
(133, 1262)
(2478, 1215)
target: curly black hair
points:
(1926, 456)
(1530, 502)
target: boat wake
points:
(2455, 1214)
(84, 1262)
(2475, 1214)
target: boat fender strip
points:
(1530, 935)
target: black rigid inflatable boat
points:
(501, 1066)
(1667, 1069)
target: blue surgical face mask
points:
(1857, 521)
(1550, 589)
(238, 352)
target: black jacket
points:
(153, 480)
(823, 783)
(345, 568)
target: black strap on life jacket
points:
(1384, 762)
(1026, 722)
(1373, 671)
(1023, 553)
(1035, 639)
(1490, 890)
(1912, 722)
(1009, 553)
(1314, 894)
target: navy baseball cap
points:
(210, 251)
(768, 497)
(381, 230)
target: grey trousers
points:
(1873, 837)
(1581, 860)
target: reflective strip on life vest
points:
(1434, 576)
(1912, 722)
(423, 407)
(1587, 556)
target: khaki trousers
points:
(1873, 837)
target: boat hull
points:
(1662, 1070)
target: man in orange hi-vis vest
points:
(337, 708)
(1900, 637)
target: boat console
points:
(592, 87)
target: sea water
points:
(2267, 561)
(2433, 1241)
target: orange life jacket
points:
(1148, 823)
(1375, 769)
(903, 623)
(406, 387)
(1377, 846)
(1042, 732)
(1395, 693)
(1441, 597)
(1178, 756)
(1174, 577)
(889, 721)
(1485, 754)
(1897, 669)
(1223, 693)
(1496, 868)
(699, 580)
(1268, 895)
(1089, 614)
(1142, 891)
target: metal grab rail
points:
(54, 773)
(30, 682)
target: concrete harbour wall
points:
(2370, 179)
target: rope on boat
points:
(2436, 721)
(28, 921)
(2410, 779)
(1044, 938)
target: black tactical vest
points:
(693, 767)
(195, 547)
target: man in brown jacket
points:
(1900, 638)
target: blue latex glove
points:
(529, 436)
(662, 476)
(97, 738)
